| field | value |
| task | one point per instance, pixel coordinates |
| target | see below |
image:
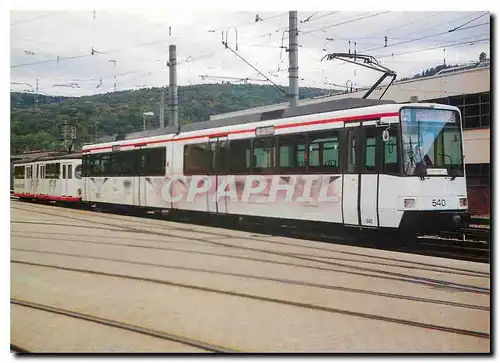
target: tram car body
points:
(53, 178)
(380, 166)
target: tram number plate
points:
(439, 203)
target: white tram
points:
(373, 164)
(54, 178)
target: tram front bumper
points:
(425, 222)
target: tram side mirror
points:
(385, 135)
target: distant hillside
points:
(35, 126)
(23, 100)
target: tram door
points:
(219, 170)
(64, 180)
(30, 179)
(369, 174)
(360, 195)
(350, 194)
(37, 179)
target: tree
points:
(482, 57)
(35, 126)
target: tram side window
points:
(391, 155)
(264, 154)
(370, 152)
(94, 165)
(79, 171)
(197, 159)
(223, 157)
(83, 167)
(126, 163)
(88, 165)
(19, 172)
(153, 161)
(324, 152)
(219, 163)
(292, 149)
(351, 151)
(240, 152)
(106, 165)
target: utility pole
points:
(36, 94)
(173, 99)
(162, 108)
(293, 59)
(114, 65)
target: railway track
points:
(120, 325)
(468, 234)
(471, 251)
(337, 264)
(116, 223)
(213, 348)
(471, 244)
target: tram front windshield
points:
(432, 142)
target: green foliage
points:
(483, 57)
(36, 126)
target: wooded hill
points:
(35, 119)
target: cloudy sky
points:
(132, 46)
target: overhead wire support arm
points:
(255, 69)
(368, 62)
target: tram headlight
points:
(79, 190)
(410, 203)
(462, 202)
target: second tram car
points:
(56, 178)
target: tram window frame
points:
(240, 156)
(203, 164)
(106, 166)
(19, 172)
(48, 171)
(125, 163)
(376, 133)
(292, 141)
(220, 156)
(93, 165)
(321, 168)
(350, 167)
(153, 161)
(392, 168)
(79, 171)
(223, 155)
(264, 143)
(84, 171)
